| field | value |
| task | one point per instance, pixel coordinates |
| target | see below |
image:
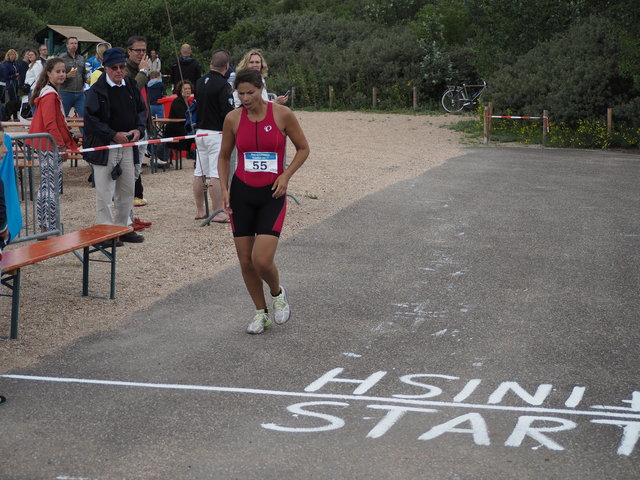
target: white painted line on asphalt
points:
(280, 393)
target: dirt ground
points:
(352, 155)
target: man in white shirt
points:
(155, 63)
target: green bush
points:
(18, 18)
(574, 75)
(588, 134)
(16, 22)
(534, 55)
(314, 51)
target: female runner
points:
(256, 200)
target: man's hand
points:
(121, 137)
(145, 64)
(136, 135)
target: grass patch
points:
(472, 126)
(589, 134)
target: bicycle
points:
(456, 97)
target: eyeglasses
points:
(121, 66)
(138, 50)
(106, 44)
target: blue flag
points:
(11, 200)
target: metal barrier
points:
(33, 180)
(488, 116)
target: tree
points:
(574, 74)
(443, 31)
(16, 23)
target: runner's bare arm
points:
(294, 131)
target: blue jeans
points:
(72, 99)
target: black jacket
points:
(97, 131)
(190, 71)
(214, 99)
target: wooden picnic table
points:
(159, 127)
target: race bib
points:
(261, 162)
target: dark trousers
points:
(139, 189)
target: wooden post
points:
(485, 130)
(609, 120)
(488, 111)
(293, 96)
(374, 95)
(415, 98)
(330, 97)
(545, 123)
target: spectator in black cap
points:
(114, 114)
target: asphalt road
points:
(477, 322)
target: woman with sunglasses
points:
(49, 118)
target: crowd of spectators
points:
(45, 90)
(20, 69)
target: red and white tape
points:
(146, 142)
(514, 117)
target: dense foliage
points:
(574, 58)
(575, 74)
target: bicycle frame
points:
(457, 97)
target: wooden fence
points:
(374, 97)
(489, 116)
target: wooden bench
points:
(86, 239)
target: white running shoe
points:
(260, 322)
(281, 310)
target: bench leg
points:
(12, 282)
(112, 293)
(85, 271)
(110, 253)
(15, 306)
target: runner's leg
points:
(262, 258)
(253, 282)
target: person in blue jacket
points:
(155, 91)
(4, 226)
(10, 213)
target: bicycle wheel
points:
(452, 101)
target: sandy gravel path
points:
(352, 155)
